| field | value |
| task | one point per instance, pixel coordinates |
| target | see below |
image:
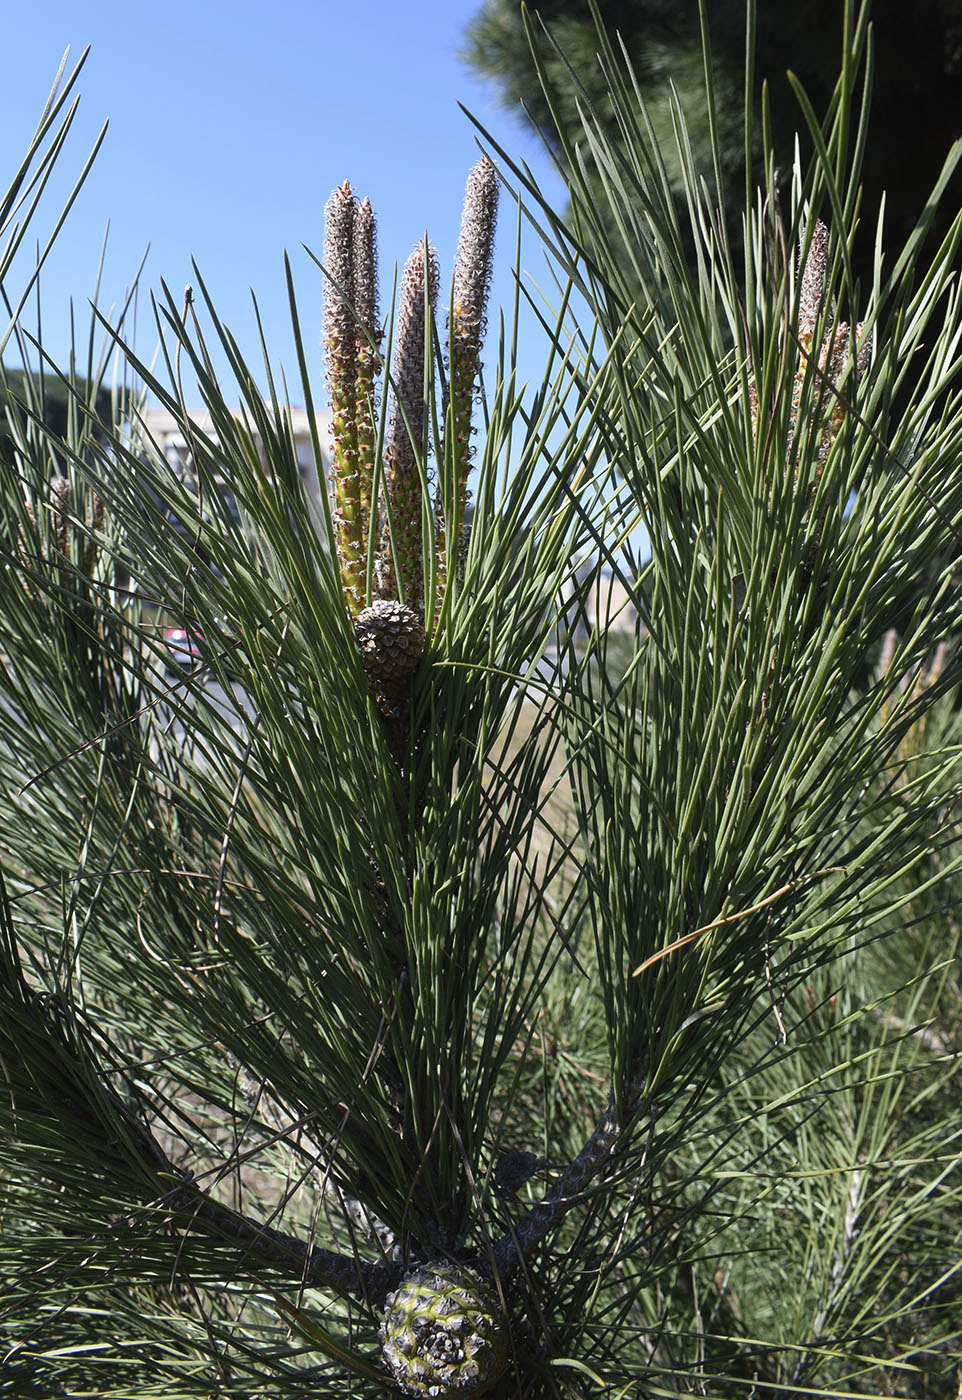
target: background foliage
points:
(915, 96)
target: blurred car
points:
(183, 647)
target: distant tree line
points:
(26, 393)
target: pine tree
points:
(412, 997)
(916, 89)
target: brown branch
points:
(508, 1253)
(72, 1088)
(346, 1274)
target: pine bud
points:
(402, 567)
(466, 326)
(811, 293)
(340, 340)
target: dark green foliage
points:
(916, 91)
(51, 399)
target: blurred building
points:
(166, 438)
(607, 603)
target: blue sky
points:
(229, 125)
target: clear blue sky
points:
(229, 125)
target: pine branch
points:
(43, 1070)
(305, 1263)
(508, 1253)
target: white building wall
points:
(164, 433)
